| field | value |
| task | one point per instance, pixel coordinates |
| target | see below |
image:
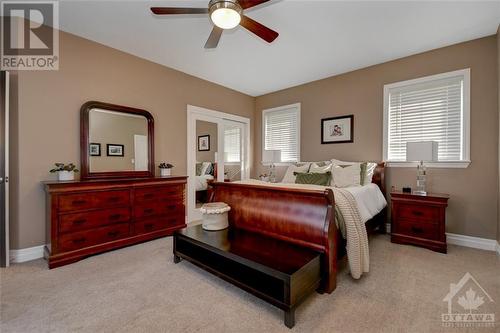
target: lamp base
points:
(419, 192)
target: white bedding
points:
(369, 198)
(201, 182)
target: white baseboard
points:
(28, 254)
(498, 248)
(474, 242)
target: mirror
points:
(117, 141)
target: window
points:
(281, 131)
(232, 144)
(431, 108)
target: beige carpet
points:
(139, 289)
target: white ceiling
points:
(317, 39)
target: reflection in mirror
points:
(117, 141)
(206, 168)
(232, 152)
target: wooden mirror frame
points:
(84, 142)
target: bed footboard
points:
(301, 217)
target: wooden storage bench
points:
(278, 272)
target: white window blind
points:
(426, 110)
(281, 131)
(232, 144)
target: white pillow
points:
(204, 167)
(347, 176)
(370, 170)
(320, 169)
(290, 177)
(338, 162)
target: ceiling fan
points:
(225, 14)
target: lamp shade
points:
(426, 151)
(271, 156)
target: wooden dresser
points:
(419, 220)
(93, 216)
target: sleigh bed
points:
(299, 216)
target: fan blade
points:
(245, 4)
(177, 10)
(260, 30)
(213, 39)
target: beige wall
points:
(48, 117)
(473, 205)
(206, 128)
(111, 128)
(498, 64)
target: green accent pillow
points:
(313, 178)
(363, 174)
(198, 168)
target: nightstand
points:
(419, 220)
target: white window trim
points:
(466, 120)
(295, 105)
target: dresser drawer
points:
(81, 239)
(81, 201)
(158, 209)
(158, 193)
(420, 213)
(150, 225)
(81, 221)
(416, 229)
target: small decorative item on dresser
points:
(419, 219)
(165, 169)
(65, 172)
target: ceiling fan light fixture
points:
(225, 14)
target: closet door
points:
(4, 169)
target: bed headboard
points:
(379, 176)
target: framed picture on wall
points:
(337, 129)
(115, 150)
(204, 143)
(95, 149)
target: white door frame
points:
(198, 113)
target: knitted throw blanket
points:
(358, 254)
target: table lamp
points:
(423, 151)
(271, 157)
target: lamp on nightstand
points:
(271, 157)
(423, 151)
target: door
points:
(228, 150)
(140, 152)
(4, 169)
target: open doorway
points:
(217, 151)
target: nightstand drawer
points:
(420, 213)
(416, 229)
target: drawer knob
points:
(79, 222)
(114, 199)
(417, 213)
(79, 240)
(114, 217)
(148, 195)
(171, 207)
(148, 226)
(113, 233)
(417, 230)
(79, 202)
(148, 210)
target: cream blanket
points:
(358, 253)
(349, 221)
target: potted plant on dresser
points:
(165, 169)
(64, 172)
